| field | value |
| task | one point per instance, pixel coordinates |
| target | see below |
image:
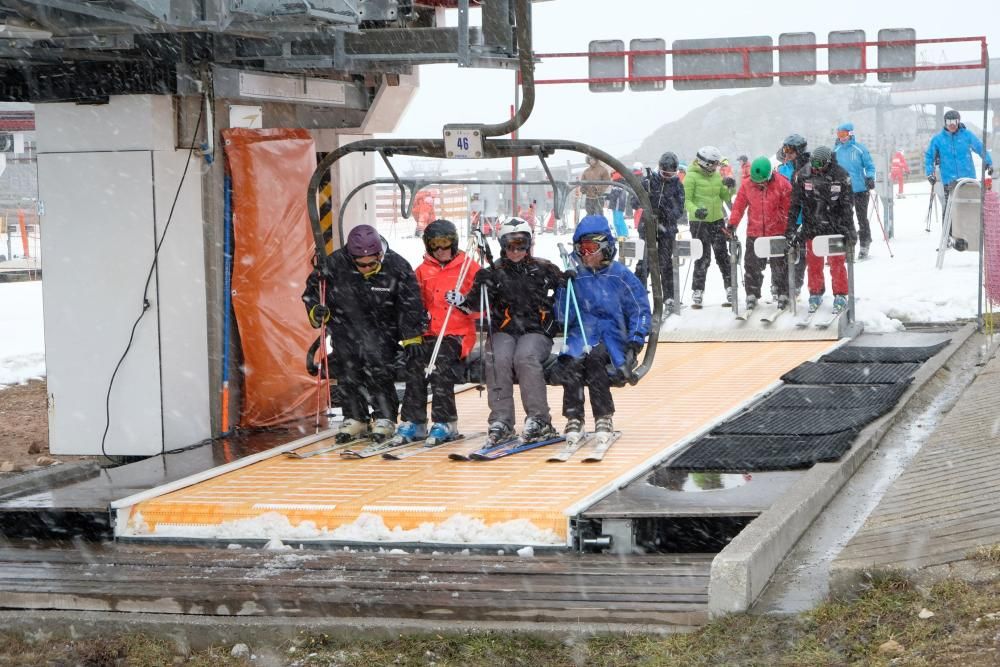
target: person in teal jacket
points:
(952, 149)
(704, 195)
(854, 158)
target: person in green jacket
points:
(704, 195)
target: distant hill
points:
(755, 122)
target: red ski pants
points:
(838, 271)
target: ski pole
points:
(571, 298)
(885, 237)
(323, 374)
(930, 207)
(462, 273)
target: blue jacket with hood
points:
(955, 154)
(613, 303)
(855, 159)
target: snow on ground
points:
(889, 291)
(22, 342)
(457, 529)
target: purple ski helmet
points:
(364, 241)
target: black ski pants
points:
(447, 371)
(665, 254)
(753, 271)
(713, 240)
(589, 371)
(861, 213)
(361, 384)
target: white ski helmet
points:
(637, 166)
(708, 158)
(515, 226)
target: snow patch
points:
(457, 529)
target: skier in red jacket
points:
(437, 275)
(898, 172)
(766, 200)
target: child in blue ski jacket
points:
(607, 324)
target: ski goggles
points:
(708, 165)
(590, 246)
(516, 245)
(843, 135)
(819, 164)
(366, 265)
(787, 150)
(951, 122)
(441, 242)
(667, 174)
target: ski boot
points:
(537, 429)
(863, 252)
(499, 432)
(383, 429)
(728, 303)
(411, 431)
(696, 297)
(751, 302)
(442, 432)
(351, 429)
(574, 429)
(604, 425)
(668, 306)
(839, 303)
(782, 301)
(814, 301)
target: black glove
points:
(932, 179)
(870, 183)
(989, 170)
(632, 357)
(570, 274)
(319, 315)
(793, 239)
(701, 213)
(727, 230)
(729, 182)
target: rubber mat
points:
(886, 355)
(839, 373)
(835, 396)
(799, 421)
(748, 453)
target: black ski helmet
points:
(441, 229)
(796, 142)
(668, 162)
(951, 114)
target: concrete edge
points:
(740, 571)
(190, 633)
(47, 478)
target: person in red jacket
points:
(898, 171)
(438, 274)
(766, 200)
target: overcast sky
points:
(617, 122)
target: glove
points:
(701, 213)
(631, 358)
(570, 274)
(729, 182)
(454, 298)
(870, 183)
(989, 170)
(413, 353)
(319, 315)
(728, 230)
(932, 179)
(793, 239)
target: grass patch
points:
(988, 553)
(961, 632)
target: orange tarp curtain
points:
(272, 251)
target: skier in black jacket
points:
(372, 307)
(666, 193)
(521, 291)
(821, 190)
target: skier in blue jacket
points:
(952, 149)
(854, 158)
(616, 317)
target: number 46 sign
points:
(463, 141)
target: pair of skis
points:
(824, 323)
(596, 445)
(493, 451)
(396, 448)
(308, 454)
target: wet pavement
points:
(803, 579)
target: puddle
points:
(697, 482)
